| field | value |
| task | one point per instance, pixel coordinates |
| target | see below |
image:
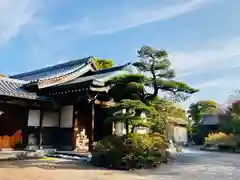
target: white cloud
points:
(218, 89)
(14, 15)
(112, 21)
(223, 83)
(207, 70)
(218, 56)
(207, 84)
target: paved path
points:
(192, 165)
(198, 165)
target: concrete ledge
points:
(71, 153)
(6, 149)
(22, 155)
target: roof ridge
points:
(68, 63)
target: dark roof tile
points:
(53, 71)
(12, 87)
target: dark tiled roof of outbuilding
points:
(13, 88)
(53, 71)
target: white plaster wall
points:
(142, 130)
(34, 118)
(66, 119)
(180, 134)
(50, 119)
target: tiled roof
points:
(53, 71)
(13, 88)
(100, 77)
(210, 119)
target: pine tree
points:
(159, 74)
(129, 91)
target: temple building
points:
(61, 106)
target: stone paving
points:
(191, 165)
(198, 165)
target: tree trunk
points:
(133, 129)
(127, 127)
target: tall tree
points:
(159, 75)
(198, 109)
(128, 91)
(154, 72)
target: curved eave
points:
(61, 79)
(51, 71)
(99, 77)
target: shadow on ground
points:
(47, 164)
(55, 163)
(179, 159)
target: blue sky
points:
(201, 36)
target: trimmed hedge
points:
(131, 151)
(224, 142)
(221, 139)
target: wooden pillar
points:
(91, 134)
(41, 129)
(58, 143)
(75, 130)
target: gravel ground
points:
(190, 165)
(58, 169)
(198, 165)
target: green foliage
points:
(103, 63)
(196, 112)
(236, 124)
(170, 108)
(130, 152)
(167, 110)
(159, 126)
(130, 94)
(198, 109)
(230, 121)
(160, 78)
(132, 89)
(157, 65)
(220, 138)
(127, 87)
(225, 119)
(133, 111)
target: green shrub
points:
(221, 139)
(130, 151)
